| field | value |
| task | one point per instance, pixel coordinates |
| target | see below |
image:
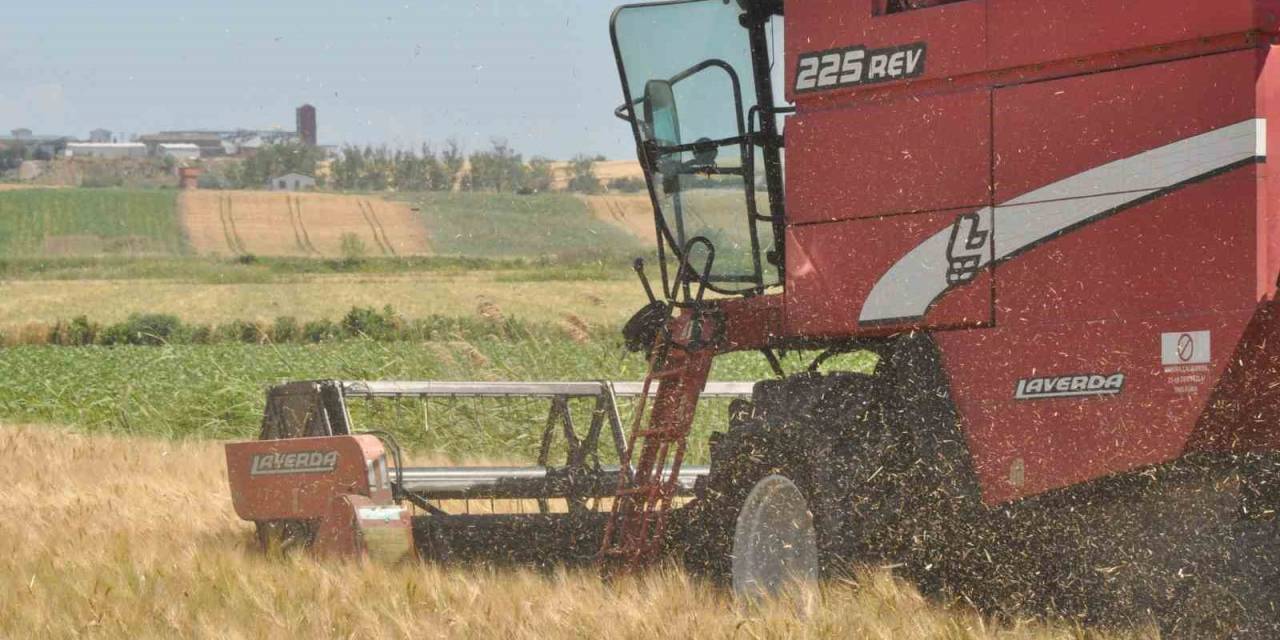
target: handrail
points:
(445, 389)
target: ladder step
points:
(663, 436)
(658, 489)
(635, 491)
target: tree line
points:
(498, 168)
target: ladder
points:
(638, 518)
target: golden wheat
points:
(292, 224)
(415, 295)
(129, 538)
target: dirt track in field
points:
(298, 224)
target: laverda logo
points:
(278, 464)
(858, 66)
(1069, 386)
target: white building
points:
(291, 182)
(179, 151)
(106, 150)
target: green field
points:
(542, 261)
(259, 270)
(495, 225)
(78, 222)
(216, 391)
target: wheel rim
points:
(283, 537)
(774, 543)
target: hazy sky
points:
(539, 73)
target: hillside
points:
(264, 223)
(495, 225)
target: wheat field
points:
(290, 224)
(130, 538)
(414, 295)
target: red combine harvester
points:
(1050, 223)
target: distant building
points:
(99, 135)
(236, 142)
(106, 150)
(179, 151)
(291, 182)
(209, 142)
(43, 147)
(306, 127)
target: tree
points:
(538, 176)
(378, 169)
(438, 174)
(347, 168)
(582, 175)
(627, 184)
(411, 172)
(276, 160)
(11, 157)
(453, 160)
(498, 169)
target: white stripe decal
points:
(907, 290)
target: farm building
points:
(179, 151)
(106, 150)
(209, 142)
(291, 182)
(45, 147)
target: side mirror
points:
(661, 113)
(663, 120)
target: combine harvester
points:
(1051, 222)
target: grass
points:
(71, 222)
(217, 391)
(505, 225)
(136, 539)
(211, 270)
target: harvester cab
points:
(1048, 233)
(699, 98)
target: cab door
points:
(889, 191)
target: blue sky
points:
(539, 73)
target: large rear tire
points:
(809, 454)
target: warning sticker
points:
(1191, 347)
(1185, 356)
